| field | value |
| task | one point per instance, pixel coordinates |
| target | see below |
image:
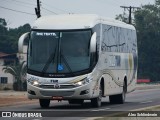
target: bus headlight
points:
(34, 82)
(82, 82)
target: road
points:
(135, 100)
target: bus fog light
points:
(31, 92)
(84, 92)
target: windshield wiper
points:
(50, 59)
(66, 63)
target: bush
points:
(6, 88)
(22, 87)
(25, 86)
(15, 86)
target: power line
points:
(108, 2)
(17, 3)
(27, 3)
(49, 10)
(16, 10)
(114, 3)
(24, 2)
(130, 8)
(55, 7)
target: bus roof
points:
(75, 21)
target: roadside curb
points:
(147, 108)
(143, 87)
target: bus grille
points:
(53, 87)
(57, 93)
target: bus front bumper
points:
(85, 92)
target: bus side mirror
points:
(21, 42)
(93, 43)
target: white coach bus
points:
(80, 57)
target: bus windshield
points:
(52, 52)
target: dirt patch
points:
(14, 98)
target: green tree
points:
(147, 23)
(3, 22)
(19, 72)
(122, 18)
(9, 37)
(14, 34)
(4, 42)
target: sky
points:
(108, 8)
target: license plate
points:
(57, 98)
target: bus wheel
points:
(120, 98)
(96, 102)
(74, 101)
(44, 103)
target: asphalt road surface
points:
(60, 110)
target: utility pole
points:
(130, 8)
(38, 10)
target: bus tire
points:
(96, 102)
(74, 101)
(120, 98)
(44, 103)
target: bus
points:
(77, 57)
